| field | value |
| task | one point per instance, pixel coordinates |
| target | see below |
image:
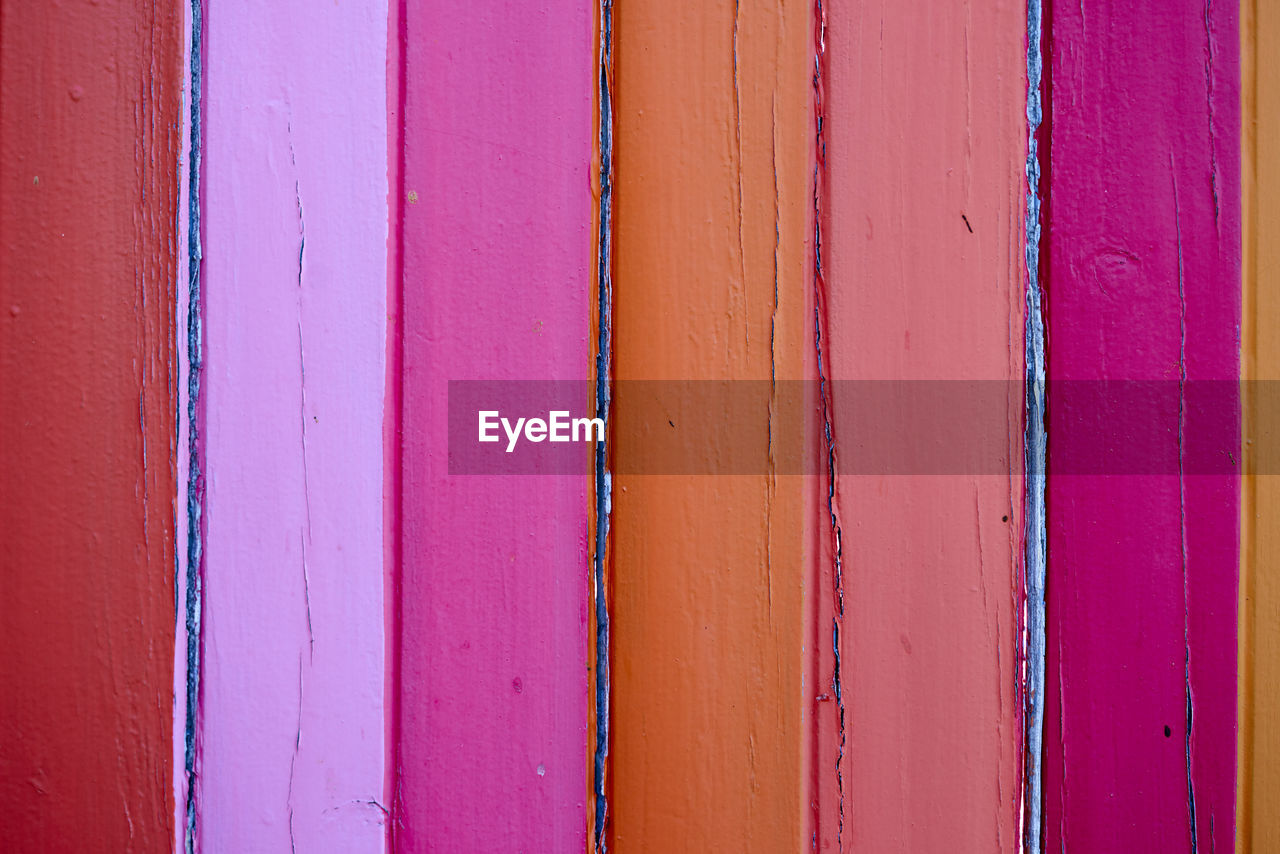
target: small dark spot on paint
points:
(14, 310)
(906, 643)
(1004, 518)
(1167, 732)
(517, 685)
(315, 419)
(76, 93)
(966, 223)
(672, 423)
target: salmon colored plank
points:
(90, 134)
(292, 728)
(1259, 771)
(1143, 278)
(923, 278)
(714, 189)
(497, 258)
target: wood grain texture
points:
(713, 258)
(90, 131)
(922, 201)
(292, 727)
(1259, 771)
(1143, 285)
(497, 242)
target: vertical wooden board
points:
(497, 255)
(923, 279)
(1142, 283)
(713, 148)
(89, 142)
(292, 728)
(1259, 772)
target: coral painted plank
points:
(1143, 278)
(497, 254)
(90, 134)
(923, 279)
(713, 157)
(292, 729)
(1259, 772)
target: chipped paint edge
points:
(603, 481)
(190, 495)
(1034, 447)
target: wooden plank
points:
(1143, 293)
(923, 280)
(497, 239)
(90, 135)
(713, 154)
(292, 731)
(1258, 828)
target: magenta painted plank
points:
(292, 728)
(1143, 284)
(497, 244)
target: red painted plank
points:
(1143, 284)
(90, 132)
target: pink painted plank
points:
(1143, 284)
(497, 243)
(295, 169)
(922, 146)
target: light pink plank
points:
(295, 169)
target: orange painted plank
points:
(923, 279)
(1258, 825)
(713, 196)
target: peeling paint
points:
(1035, 443)
(603, 484)
(195, 479)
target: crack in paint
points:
(1209, 112)
(195, 483)
(304, 537)
(603, 476)
(1182, 502)
(293, 761)
(737, 132)
(820, 292)
(773, 355)
(1035, 443)
(306, 596)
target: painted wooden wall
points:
(90, 142)
(931, 513)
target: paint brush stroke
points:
(292, 729)
(921, 221)
(90, 139)
(498, 267)
(1143, 283)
